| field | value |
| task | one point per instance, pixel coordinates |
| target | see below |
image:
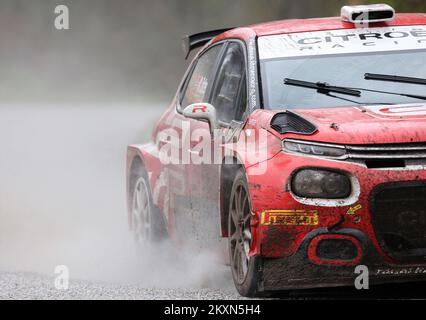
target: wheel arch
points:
(140, 156)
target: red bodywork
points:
(292, 245)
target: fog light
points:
(316, 183)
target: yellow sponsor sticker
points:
(353, 210)
(289, 218)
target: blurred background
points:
(124, 50)
(70, 103)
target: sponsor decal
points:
(358, 40)
(401, 271)
(199, 109)
(252, 67)
(354, 209)
(405, 111)
(289, 218)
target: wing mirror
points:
(202, 111)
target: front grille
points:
(399, 219)
(389, 151)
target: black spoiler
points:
(191, 42)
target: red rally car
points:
(299, 143)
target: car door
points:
(184, 176)
(229, 96)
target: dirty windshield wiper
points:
(325, 88)
(322, 87)
(391, 78)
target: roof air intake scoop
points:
(368, 13)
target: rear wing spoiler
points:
(191, 42)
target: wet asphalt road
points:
(34, 286)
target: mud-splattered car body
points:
(305, 241)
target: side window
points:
(227, 96)
(200, 80)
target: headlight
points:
(314, 149)
(316, 183)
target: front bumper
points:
(298, 271)
(285, 242)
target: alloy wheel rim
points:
(240, 233)
(141, 212)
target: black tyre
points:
(246, 271)
(147, 222)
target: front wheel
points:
(245, 268)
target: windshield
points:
(285, 59)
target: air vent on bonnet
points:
(289, 122)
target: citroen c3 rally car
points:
(314, 161)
